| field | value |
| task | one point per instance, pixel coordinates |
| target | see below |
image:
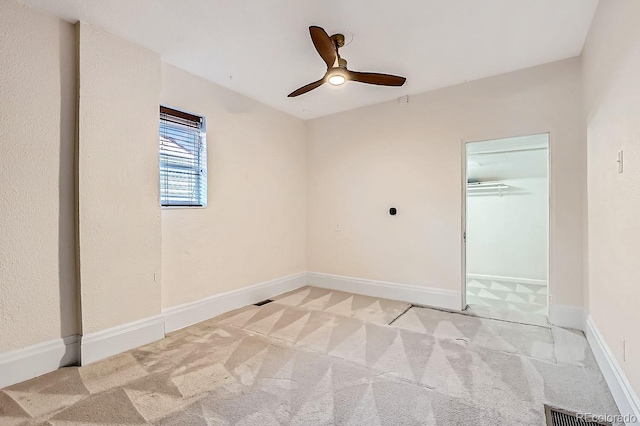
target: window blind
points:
(183, 157)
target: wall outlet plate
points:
(620, 161)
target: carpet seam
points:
(401, 314)
(373, 371)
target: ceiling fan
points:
(337, 72)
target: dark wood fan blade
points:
(376, 78)
(304, 89)
(324, 45)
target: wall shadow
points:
(67, 222)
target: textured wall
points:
(253, 228)
(611, 61)
(37, 125)
(119, 210)
(409, 156)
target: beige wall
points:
(253, 229)
(611, 61)
(37, 122)
(409, 156)
(119, 213)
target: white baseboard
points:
(567, 316)
(624, 395)
(33, 361)
(112, 341)
(181, 316)
(24, 364)
(507, 279)
(419, 295)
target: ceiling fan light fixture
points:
(336, 76)
(337, 80)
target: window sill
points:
(182, 207)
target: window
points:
(183, 159)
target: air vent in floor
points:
(557, 417)
(264, 302)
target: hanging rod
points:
(486, 187)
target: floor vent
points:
(264, 302)
(557, 417)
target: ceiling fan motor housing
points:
(338, 40)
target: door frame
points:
(550, 212)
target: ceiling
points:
(511, 158)
(262, 49)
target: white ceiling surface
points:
(262, 49)
(511, 158)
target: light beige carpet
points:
(321, 357)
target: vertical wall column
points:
(119, 233)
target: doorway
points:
(507, 228)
